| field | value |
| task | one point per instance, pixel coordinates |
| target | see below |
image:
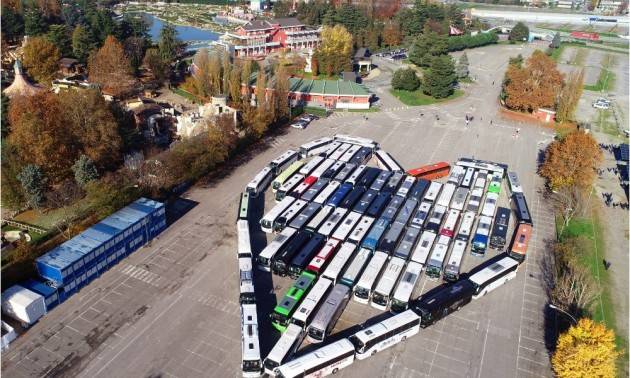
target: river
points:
(196, 37)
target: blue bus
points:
(378, 204)
(374, 236)
(339, 195)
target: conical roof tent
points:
(21, 85)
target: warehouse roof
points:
(327, 87)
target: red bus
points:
(431, 171)
(518, 250)
(323, 256)
(585, 36)
(303, 187)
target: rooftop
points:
(329, 87)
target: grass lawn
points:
(605, 82)
(187, 95)
(417, 98)
(557, 53)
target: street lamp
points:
(553, 306)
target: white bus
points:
(244, 241)
(459, 199)
(385, 334)
(450, 224)
(481, 165)
(406, 186)
(387, 282)
(490, 205)
(288, 186)
(280, 163)
(332, 148)
(493, 276)
(356, 267)
(346, 226)
(514, 183)
(446, 195)
(311, 165)
(246, 281)
(465, 227)
(268, 221)
(321, 168)
(480, 182)
(356, 174)
(457, 175)
(475, 200)
(433, 191)
(454, 262)
(287, 216)
(361, 229)
(349, 154)
(328, 313)
(303, 315)
(305, 216)
(404, 290)
(423, 248)
(285, 347)
(386, 162)
(331, 222)
(363, 288)
(324, 361)
(319, 218)
(315, 147)
(365, 142)
(260, 182)
(436, 261)
(251, 363)
(328, 191)
(421, 215)
(265, 256)
(340, 151)
(468, 177)
(338, 262)
(407, 243)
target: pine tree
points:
(555, 43)
(60, 37)
(84, 170)
(405, 79)
(440, 78)
(520, 32)
(34, 23)
(33, 184)
(462, 67)
(81, 43)
(168, 43)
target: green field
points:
(605, 82)
(417, 98)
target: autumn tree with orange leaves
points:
(110, 68)
(533, 86)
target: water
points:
(196, 37)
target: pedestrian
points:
(493, 83)
(490, 122)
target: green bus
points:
(283, 312)
(243, 206)
(282, 177)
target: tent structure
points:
(21, 85)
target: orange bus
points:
(431, 171)
(518, 250)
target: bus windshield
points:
(361, 292)
(315, 333)
(251, 365)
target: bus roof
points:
(493, 270)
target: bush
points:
(469, 41)
(520, 32)
(406, 79)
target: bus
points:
(301, 189)
(259, 182)
(288, 186)
(346, 226)
(423, 248)
(457, 175)
(387, 282)
(444, 199)
(459, 199)
(442, 301)
(311, 165)
(344, 172)
(339, 195)
(393, 182)
(324, 361)
(284, 176)
(431, 171)
(338, 262)
(433, 192)
(289, 303)
(281, 261)
(306, 254)
(418, 190)
(379, 203)
(244, 243)
(319, 171)
(493, 276)
(305, 216)
(518, 249)
(386, 162)
(363, 288)
(392, 208)
(498, 238)
(355, 268)
(436, 219)
(406, 186)
(406, 211)
(404, 290)
(514, 183)
(332, 171)
(304, 314)
(365, 142)
(340, 151)
(352, 197)
(283, 161)
(385, 334)
(421, 215)
(465, 226)
(495, 183)
(389, 241)
(267, 223)
(323, 196)
(314, 190)
(360, 230)
(315, 147)
(521, 209)
(468, 178)
(332, 148)
(289, 214)
(279, 242)
(362, 157)
(349, 154)
(364, 203)
(482, 165)
(480, 240)
(246, 281)
(243, 207)
(450, 224)
(481, 180)
(374, 235)
(490, 205)
(251, 363)
(318, 263)
(356, 175)
(328, 313)
(475, 200)
(381, 180)
(369, 175)
(331, 222)
(285, 347)
(407, 243)
(436, 261)
(454, 262)
(319, 218)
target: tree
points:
(234, 85)
(34, 23)
(281, 9)
(84, 170)
(585, 350)
(134, 50)
(571, 161)
(462, 67)
(427, 46)
(81, 43)
(153, 61)
(392, 35)
(12, 24)
(520, 32)
(33, 183)
(314, 65)
(61, 198)
(440, 78)
(281, 92)
(60, 37)
(10, 165)
(110, 68)
(41, 59)
(334, 53)
(555, 42)
(405, 79)
(570, 96)
(168, 43)
(4, 123)
(261, 89)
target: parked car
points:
(601, 105)
(299, 124)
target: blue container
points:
(106, 236)
(374, 235)
(50, 294)
(60, 265)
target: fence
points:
(24, 226)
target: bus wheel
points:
(404, 338)
(335, 370)
(373, 352)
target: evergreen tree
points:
(84, 170)
(34, 23)
(439, 80)
(405, 79)
(462, 67)
(81, 43)
(555, 43)
(59, 36)
(12, 24)
(168, 43)
(426, 46)
(4, 123)
(520, 32)
(33, 184)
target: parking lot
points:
(171, 309)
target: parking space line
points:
(483, 351)
(536, 340)
(533, 350)
(536, 362)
